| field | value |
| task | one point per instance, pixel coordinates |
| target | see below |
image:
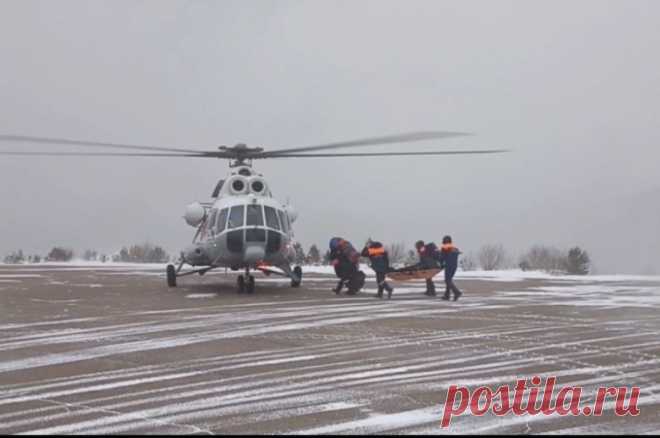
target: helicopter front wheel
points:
(171, 276)
(249, 286)
(298, 273)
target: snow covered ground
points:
(109, 349)
(498, 275)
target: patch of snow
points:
(201, 296)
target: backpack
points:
(431, 250)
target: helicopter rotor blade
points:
(113, 154)
(392, 154)
(69, 142)
(372, 141)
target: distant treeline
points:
(138, 253)
(574, 261)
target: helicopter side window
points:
(255, 215)
(222, 220)
(285, 224)
(271, 218)
(236, 216)
(274, 242)
(210, 225)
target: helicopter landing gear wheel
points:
(298, 272)
(171, 276)
(249, 287)
(240, 283)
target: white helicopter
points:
(243, 227)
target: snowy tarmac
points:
(110, 349)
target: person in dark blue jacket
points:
(429, 258)
(449, 261)
(380, 263)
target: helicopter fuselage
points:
(244, 227)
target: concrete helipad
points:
(113, 350)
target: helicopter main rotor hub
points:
(242, 154)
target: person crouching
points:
(345, 259)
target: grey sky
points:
(572, 87)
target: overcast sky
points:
(572, 87)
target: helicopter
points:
(243, 227)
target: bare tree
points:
(313, 256)
(299, 257)
(468, 262)
(411, 257)
(491, 257)
(15, 257)
(90, 255)
(396, 252)
(543, 258)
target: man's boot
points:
(430, 288)
(446, 295)
(380, 292)
(457, 294)
(339, 286)
(389, 290)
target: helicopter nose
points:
(254, 253)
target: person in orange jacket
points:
(380, 263)
(449, 261)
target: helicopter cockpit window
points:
(236, 216)
(285, 224)
(222, 220)
(271, 218)
(254, 215)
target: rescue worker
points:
(346, 260)
(380, 263)
(449, 261)
(429, 257)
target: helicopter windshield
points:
(236, 216)
(254, 215)
(271, 218)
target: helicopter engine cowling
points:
(195, 214)
(238, 185)
(258, 186)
